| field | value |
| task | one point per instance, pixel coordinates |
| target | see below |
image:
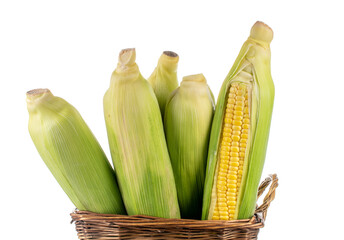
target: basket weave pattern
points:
(110, 227)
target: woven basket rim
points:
(149, 222)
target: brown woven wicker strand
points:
(110, 227)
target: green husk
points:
(188, 115)
(254, 55)
(72, 153)
(164, 78)
(137, 142)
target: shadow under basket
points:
(91, 225)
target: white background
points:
(71, 47)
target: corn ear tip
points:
(195, 78)
(127, 56)
(261, 32)
(37, 92)
(35, 95)
(170, 54)
(169, 57)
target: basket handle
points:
(272, 180)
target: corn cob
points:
(164, 78)
(72, 153)
(137, 142)
(240, 132)
(188, 115)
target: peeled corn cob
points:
(188, 115)
(137, 142)
(164, 78)
(240, 131)
(72, 153)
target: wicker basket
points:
(109, 227)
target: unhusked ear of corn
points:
(72, 153)
(188, 115)
(137, 142)
(164, 77)
(240, 131)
